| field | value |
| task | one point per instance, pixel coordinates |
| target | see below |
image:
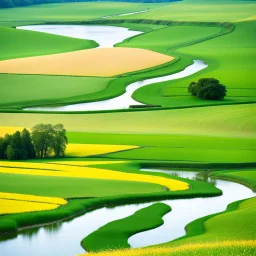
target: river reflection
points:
(64, 238)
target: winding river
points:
(64, 238)
(107, 36)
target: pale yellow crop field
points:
(182, 250)
(102, 62)
(60, 170)
(94, 149)
(18, 203)
(9, 129)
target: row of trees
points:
(44, 140)
(207, 89)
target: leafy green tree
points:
(2, 150)
(10, 153)
(27, 144)
(207, 89)
(60, 140)
(43, 139)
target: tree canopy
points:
(48, 138)
(44, 140)
(207, 89)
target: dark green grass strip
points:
(115, 234)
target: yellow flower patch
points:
(32, 198)
(87, 163)
(94, 149)
(18, 203)
(15, 206)
(178, 250)
(87, 172)
(9, 129)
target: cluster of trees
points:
(207, 89)
(44, 140)
(17, 3)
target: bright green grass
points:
(188, 154)
(234, 68)
(201, 11)
(234, 224)
(163, 140)
(17, 43)
(28, 90)
(223, 121)
(68, 11)
(72, 187)
(115, 234)
(162, 40)
(223, 59)
(247, 176)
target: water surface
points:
(64, 238)
(107, 36)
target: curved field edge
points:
(115, 234)
(14, 223)
(33, 43)
(113, 90)
(240, 176)
(199, 240)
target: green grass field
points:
(68, 12)
(246, 177)
(32, 43)
(189, 10)
(27, 90)
(72, 187)
(115, 234)
(217, 136)
(223, 121)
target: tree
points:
(10, 152)
(43, 139)
(47, 138)
(60, 140)
(27, 144)
(207, 89)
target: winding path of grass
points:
(116, 233)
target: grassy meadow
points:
(36, 44)
(115, 234)
(107, 149)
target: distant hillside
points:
(18, 3)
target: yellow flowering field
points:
(18, 203)
(32, 198)
(44, 169)
(88, 163)
(9, 129)
(94, 149)
(15, 206)
(185, 250)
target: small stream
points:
(64, 238)
(107, 36)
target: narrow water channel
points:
(107, 36)
(64, 238)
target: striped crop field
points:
(80, 150)
(56, 170)
(19, 203)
